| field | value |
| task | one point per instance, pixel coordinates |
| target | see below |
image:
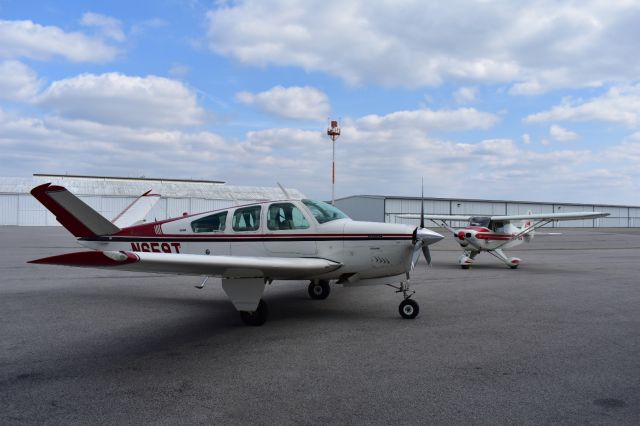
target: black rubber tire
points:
(513, 266)
(465, 266)
(257, 317)
(319, 290)
(409, 309)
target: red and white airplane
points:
(247, 246)
(494, 233)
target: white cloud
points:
(620, 104)
(430, 120)
(110, 27)
(369, 160)
(526, 139)
(17, 81)
(534, 46)
(305, 103)
(118, 99)
(561, 134)
(465, 95)
(31, 40)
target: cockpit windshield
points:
(480, 221)
(324, 212)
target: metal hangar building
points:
(110, 195)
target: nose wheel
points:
(409, 309)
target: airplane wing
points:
(551, 216)
(196, 264)
(135, 212)
(435, 217)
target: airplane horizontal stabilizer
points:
(73, 213)
(135, 212)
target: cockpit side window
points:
(283, 216)
(324, 212)
(246, 219)
(479, 221)
(212, 223)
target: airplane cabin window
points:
(282, 216)
(246, 219)
(324, 212)
(479, 221)
(212, 223)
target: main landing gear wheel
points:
(319, 290)
(257, 317)
(409, 309)
(513, 266)
(465, 266)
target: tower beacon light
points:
(333, 131)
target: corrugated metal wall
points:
(24, 210)
(110, 197)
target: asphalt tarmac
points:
(556, 341)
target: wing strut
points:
(538, 224)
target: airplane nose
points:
(427, 236)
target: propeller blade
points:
(422, 205)
(416, 254)
(427, 254)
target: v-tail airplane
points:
(246, 246)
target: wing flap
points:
(196, 264)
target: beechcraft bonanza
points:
(247, 246)
(494, 233)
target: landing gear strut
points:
(257, 317)
(319, 290)
(409, 308)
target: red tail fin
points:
(79, 219)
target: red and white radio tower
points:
(333, 131)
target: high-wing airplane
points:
(494, 233)
(247, 246)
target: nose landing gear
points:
(408, 308)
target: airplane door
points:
(288, 231)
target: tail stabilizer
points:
(135, 212)
(75, 215)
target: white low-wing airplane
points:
(247, 246)
(494, 233)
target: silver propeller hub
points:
(427, 236)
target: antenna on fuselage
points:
(284, 191)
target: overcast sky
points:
(488, 99)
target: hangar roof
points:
(128, 187)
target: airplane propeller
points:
(423, 237)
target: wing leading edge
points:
(196, 264)
(506, 218)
